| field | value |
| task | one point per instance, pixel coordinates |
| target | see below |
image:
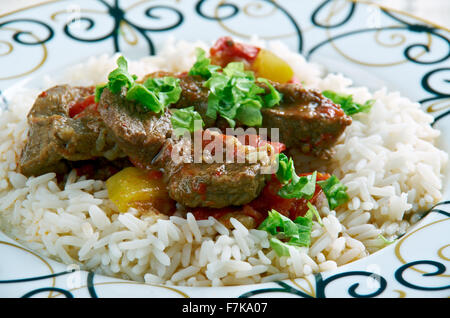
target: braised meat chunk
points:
(217, 184)
(305, 119)
(57, 134)
(100, 132)
(140, 135)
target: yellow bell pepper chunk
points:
(272, 67)
(133, 187)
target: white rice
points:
(387, 159)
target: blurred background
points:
(437, 11)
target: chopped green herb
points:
(250, 113)
(304, 225)
(312, 211)
(98, 91)
(285, 232)
(232, 90)
(155, 94)
(186, 119)
(274, 97)
(279, 247)
(285, 168)
(202, 66)
(277, 222)
(299, 187)
(385, 240)
(120, 77)
(139, 92)
(167, 89)
(335, 191)
(234, 94)
(237, 69)
(347, 103)
(294, 186)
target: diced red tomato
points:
(256, 141)
(204, 213)
(152, 173)
(87, 170)
(268, 199)
(78, 107)
(90, 168)
(247, 140)
(155, 174)
(225, 50)
(139, 164)
(257, 216)
(292, 208)
(200, 188)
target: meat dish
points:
(233, 170)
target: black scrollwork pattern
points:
(321, 285)
(29, 279)
(91, 285)
(344, 35)
(18, 35)
(284, 288)
(425, 82)
(407, 52)
(3, 102)
(119, 17)
(294, 24)
(436, 94)
(315, 21)
(410, 48)
(429, 67)
(440, 269)
(64, 292)
(421, 28)
(425, 58)
(352, 291)
(442, 203)
(232, 10)
(33, 292)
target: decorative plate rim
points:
(283, 285)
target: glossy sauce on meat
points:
(140, 135)
(54, 137)
(305, 118)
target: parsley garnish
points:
(186, 119)
(155, 94)
(274, 97)
(335, 191)
(348, 105)
(385, 241)
(203, 66)
(305, 186)
(312, 211)
(286, 232)
(293, 185)
(233, 92)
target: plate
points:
(372, 45)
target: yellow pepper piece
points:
(272, 67)
(131, 187)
